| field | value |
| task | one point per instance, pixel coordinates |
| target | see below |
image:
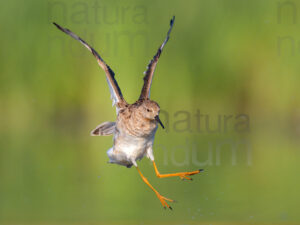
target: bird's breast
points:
(136, 125)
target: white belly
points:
(128, 149)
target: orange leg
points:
(161, 198)
(182, 175)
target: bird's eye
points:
(148, 110)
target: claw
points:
(163, 200)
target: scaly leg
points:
(182, 175)
(161, 198)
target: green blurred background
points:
(223, 58)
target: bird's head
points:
(150, 110)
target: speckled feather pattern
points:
(134, 134)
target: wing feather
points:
(145, 93)
(116, 94)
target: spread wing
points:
(116, 94)
(145, 94)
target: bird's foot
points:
(163, 200)
(185, 175)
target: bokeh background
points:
(237, 59)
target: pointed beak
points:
(158, 120)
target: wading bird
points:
(136, 123)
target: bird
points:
(136, 124)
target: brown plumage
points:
(136, 123)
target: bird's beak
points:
(158, 120)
